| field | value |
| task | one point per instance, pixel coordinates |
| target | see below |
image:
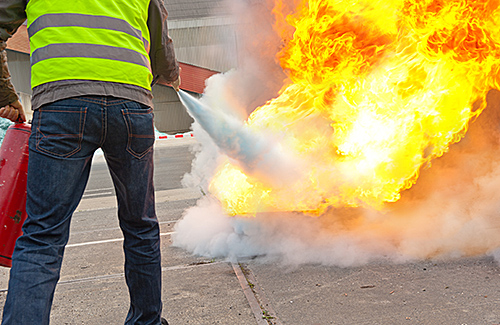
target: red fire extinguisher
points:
(13, 176)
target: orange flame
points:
(378, 89)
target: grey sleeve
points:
(12, 15)
(7, 92)
(162, 54)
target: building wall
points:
(19, 67)
(170, 115)
(206, 42)
(191, 9)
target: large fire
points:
(377, 90)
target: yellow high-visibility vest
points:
(89, 40)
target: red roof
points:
(192, 77)
(19, 42)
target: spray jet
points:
(253, 151)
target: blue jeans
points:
(64, 137)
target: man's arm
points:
(7, 92)
(10, 107)
(163, 62)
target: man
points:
(93, 63)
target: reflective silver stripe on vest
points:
(74, 50)
(88, 21)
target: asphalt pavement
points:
(199, 290)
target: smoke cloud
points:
(452, 211)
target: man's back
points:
(93, 64)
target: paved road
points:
(172, 160)
(212, 291)
(92, 288)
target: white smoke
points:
(452, 211)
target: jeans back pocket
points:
(59, 129)
(140, 128)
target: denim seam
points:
(149, 111)
(130, 135)
(115, 102)
(104, 126)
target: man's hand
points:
(176, 84)
(13, 112)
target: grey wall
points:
(170, 116)
(190, 9)
(205, 42)
(19, 66)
